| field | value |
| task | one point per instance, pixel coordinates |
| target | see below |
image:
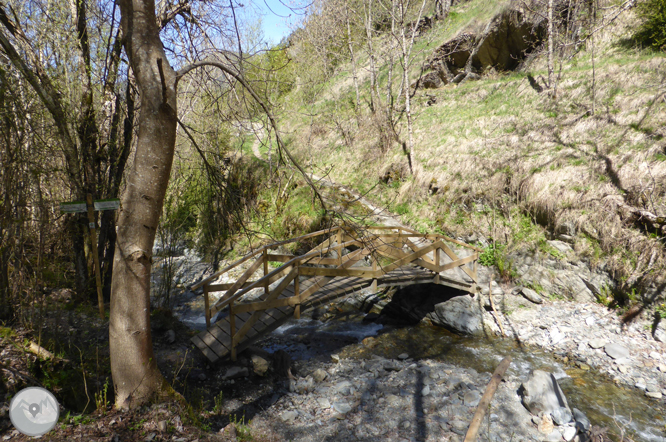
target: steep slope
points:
(500, 159)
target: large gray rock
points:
(616, 351)
(531, 295)
(542, 394)
(461, 314)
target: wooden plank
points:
(237, 285)
(454, 257)
(255, 316)
(260, 250)
(210, 354)
(226, 286)
(214, 344)
(459, 263)
(365, 272)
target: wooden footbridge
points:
(377, 256)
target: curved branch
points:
(184, 71)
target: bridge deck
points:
(253, 320)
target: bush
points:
(652, 32)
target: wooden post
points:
(437, 265)
(485, 400)
(207, 305)
(93, 241)
(232, 330)
(339, 240)
(266, 270)
(373, 286)
(297, 289)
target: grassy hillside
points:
(498, 158)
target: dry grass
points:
(498, 146)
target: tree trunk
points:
(550, 47)
(136, 377)
(352, 59)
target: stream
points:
(605, 403)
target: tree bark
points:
(135, 374)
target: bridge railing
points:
(398, 245)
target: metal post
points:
(93, 241)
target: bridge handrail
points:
(261, 250)
(223, 301)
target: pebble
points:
(568, 433)
(596, 343)
(656, 395)
(472, 398)
(662, 368)
(289, 416)
(342, 407)
(640, 383)
(403, 356)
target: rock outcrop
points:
(503, 44)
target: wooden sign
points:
(82, 206)
(74, 207)
(90, 206)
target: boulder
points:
(461, 314)
(542, 394)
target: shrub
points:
(652, 32)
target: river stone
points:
(472, 398)
(582, 422)
(324, 403)
(343, 388)
(289, 416)
(568, 433)
(259, 365)
(531, 295)
(542, 393)
(319, 375)
(640, 383)
(460, 314)
(653, 388)
(561, 416)
(596, 343)
(656, 395)
(545, 424)
(425, 391)
(616, 351)
(341, 407)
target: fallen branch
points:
(40, 351)
(485, 400)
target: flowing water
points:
(606, 404)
